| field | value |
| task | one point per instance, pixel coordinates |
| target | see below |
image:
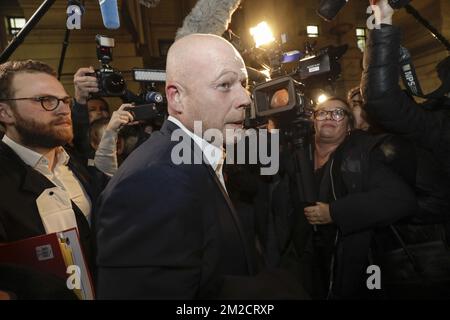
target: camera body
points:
(150, 105)
(286, 98)
(110, 81)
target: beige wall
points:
(138, 45)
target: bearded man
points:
(43, 189)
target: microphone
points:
(110, 13)
(208, 16)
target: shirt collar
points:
(33, 158)
(213, 154)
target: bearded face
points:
(30, 123)
(36, 133)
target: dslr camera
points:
(110, 81)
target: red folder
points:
(53, 254)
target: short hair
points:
(95, 128)
(348, 109)
(11, 68)
(99, 99)
(353, 92)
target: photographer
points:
(388, 105)
(86, 110)
(425, 233)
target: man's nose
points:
(244, 99)
(63, 108)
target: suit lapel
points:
(32, 180)
(236, 219)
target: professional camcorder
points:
(287, 97)
(286, 100)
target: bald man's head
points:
(206, 79)
(189, 53)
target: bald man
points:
(167, 230)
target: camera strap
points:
(408, 73)
(411, 81)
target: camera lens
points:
(114, 84)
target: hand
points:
(84, 85)
(383, 11)
(318, 214)
(120, 118)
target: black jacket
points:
(80, 117)
(365, 194)
(390, 107)
(21, 185)
(369, 196)
(169, 231)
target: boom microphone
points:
(110, 13)
(208, 16)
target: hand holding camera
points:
(110, 81)
(84, 84)
(120, 118)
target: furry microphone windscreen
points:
(208, 16)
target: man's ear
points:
(6, 114)
(174, 95)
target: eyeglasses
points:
(336, 114)
(49, 103)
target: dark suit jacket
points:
(167, 230)
(21, 185)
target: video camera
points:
(287, 98)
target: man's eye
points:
(225, 85)
(46, 99)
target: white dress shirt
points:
(213, 154)
(54, 204)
